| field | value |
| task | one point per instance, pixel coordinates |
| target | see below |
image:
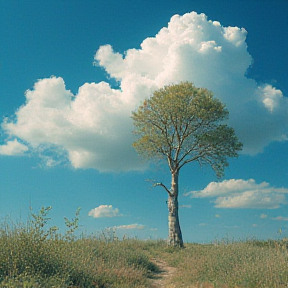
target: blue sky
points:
(71, 72)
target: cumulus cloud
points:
(263, 216)
(131, 227)
(94, 126)
(13, 148)
(238, 193)
(104, 211)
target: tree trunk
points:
(175, 234)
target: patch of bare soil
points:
(163, 277)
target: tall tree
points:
(182, 123)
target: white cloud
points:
(263, 216)
(271, 97)
(94, 126)
(281, 218)
(242, 194)
(104, 211)
(131, 227)
(13, 148)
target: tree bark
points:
(175, 234)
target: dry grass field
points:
(32, 255)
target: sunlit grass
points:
(32, 255)
(240, 264)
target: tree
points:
(181, 124)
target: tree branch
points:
(190, 160)
(161, 184)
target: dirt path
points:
(162, 278)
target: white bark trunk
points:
(175, 234)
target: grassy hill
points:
(32, 255)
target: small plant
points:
(72, 226)
(39, 221)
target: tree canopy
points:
(183, 123)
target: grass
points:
(239, 264)
(32, 255)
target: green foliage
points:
(182, 123)
(72, 226)
(39, 222)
